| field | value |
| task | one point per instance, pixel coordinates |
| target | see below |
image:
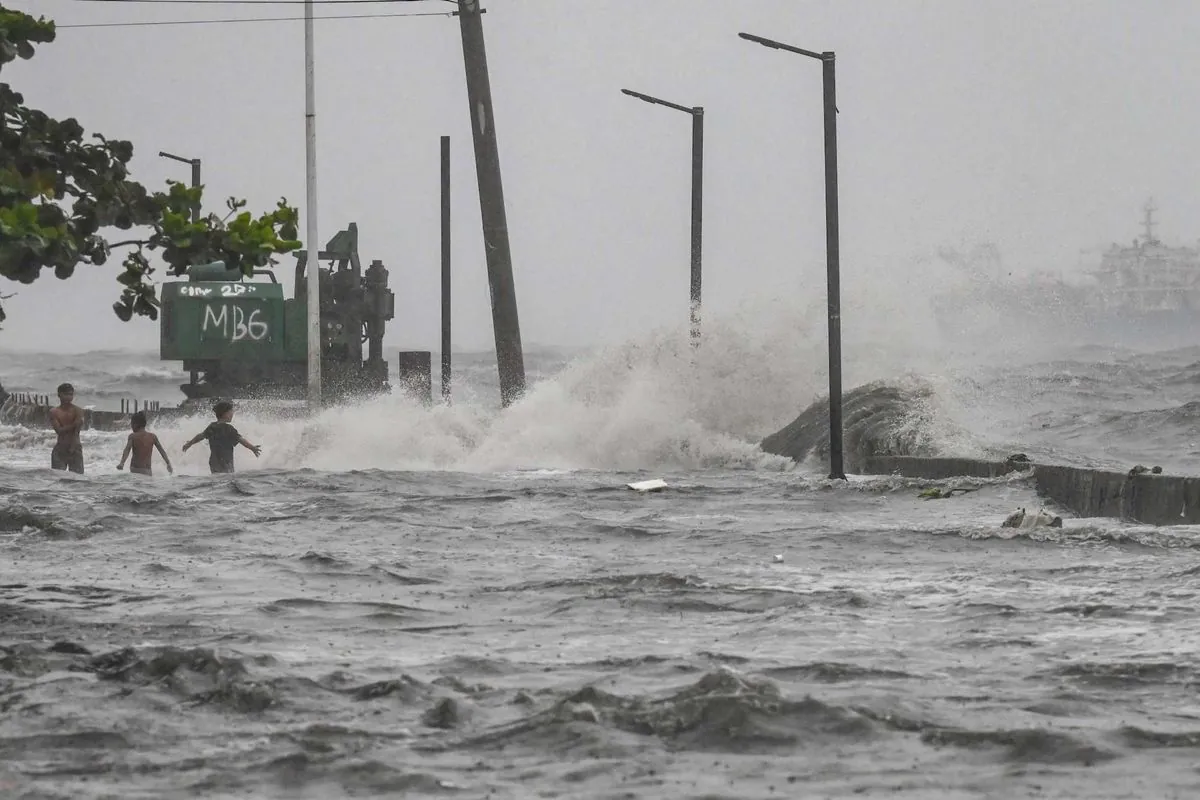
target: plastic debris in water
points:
(656, 485)
(1042, 519)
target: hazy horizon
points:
(1041, 127)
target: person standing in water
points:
(222, 437)
(67, 421)
(141, 444)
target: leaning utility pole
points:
(507, 329)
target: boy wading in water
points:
(67, 421)
(142, 444)
(222, 437)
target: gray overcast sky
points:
(1041, 126)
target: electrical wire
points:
(255, 2)
(246, 19)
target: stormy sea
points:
(459, 601)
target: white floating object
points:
(656, 485)
(778, 559)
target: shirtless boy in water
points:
(141, 444)
(67, 421)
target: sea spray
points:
(652, 402)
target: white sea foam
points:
(652, 402)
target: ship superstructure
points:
(1143, 295)
(1147, 277)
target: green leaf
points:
(62, 191)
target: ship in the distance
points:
(1145, 295)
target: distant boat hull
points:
(1140, 296)
(1060, 318)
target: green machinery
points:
(242, 338)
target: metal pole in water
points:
(832, 248)
(697, 215)
(313, 244)
(832, 266)
(446, 269)
(697, 114)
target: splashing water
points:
(654, 403)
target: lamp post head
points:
(658, 102)
(774, 45)
(760, 40)
(174, 157)
(643, 97)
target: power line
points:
(247, 19)
(255, 2)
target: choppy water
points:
(463, 603)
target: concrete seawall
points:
(883, 423)
(1145, 498)
(33, 411)
(16, 410)
(35, 415)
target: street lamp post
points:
(313, 265)
(697, 114)
(195, 162)
(836, 468)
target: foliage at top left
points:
(62, 193)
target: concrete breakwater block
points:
(939, 468)
(877, 419)
(880, 438)
(1138, 497)
(1144, 497)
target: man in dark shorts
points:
(222, 437)
(67, 421)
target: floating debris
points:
(937, 493)
(1042, 519)
(655, 485)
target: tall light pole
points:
(195, 162)
(446, 269)
(833, 277)
(697, 114)
(313, 244)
